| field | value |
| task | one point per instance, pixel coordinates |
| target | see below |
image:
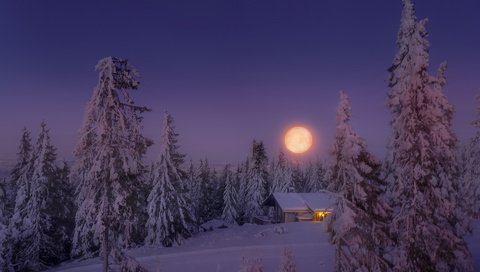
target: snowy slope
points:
(223, 249)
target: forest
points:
(409, 211)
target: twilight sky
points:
(228, 71)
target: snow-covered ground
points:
(223, 249)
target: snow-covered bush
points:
(251, 265)
(288, 261)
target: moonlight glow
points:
(298, 140)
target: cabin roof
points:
(298, 202)
(290, 202)
(318, 201)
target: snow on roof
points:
(290, 202)
(318, 201)
(296, 202)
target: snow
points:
(318, 201)
(290, 202)
(223, 250)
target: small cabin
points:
(297, 207)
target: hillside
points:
(223, 249)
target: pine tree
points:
(21, 173)
(39, 237)
(62, 210)
(229, 214)
(359, 223)
(299, 179)
(251, 265)
(168, 213)
(429, 221)
(258, 176)
(282, 180)
(217, 194)
(242, 181)
(194, 192)
(4, 232)
(108, 168)
(19, 180)
(210, 207)
(471, 172)
(315, 175)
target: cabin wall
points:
(290, 217)
(278, 214)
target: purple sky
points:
(228, 71)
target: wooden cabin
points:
(297, 207)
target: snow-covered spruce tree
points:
(21, 173)
(211, 193)
(19, 180)
(282, 175)
(471, 172)
(241, 179)
(288, 261)
(5, 240)
(194, 193)
(39, 227)
(429, 220)
(62, 210)
(108, 167)
(316, 179)
(359, 222)
(251, 265)
(258, 176)
(168, 214)
(299, 178)
(206, 208)
(229, 213)
(217, 194)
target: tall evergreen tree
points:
(217, 193)
(5, 257)
(211, 193)
(229, 213)
(39, 237)
(316, 180)
(206, 208)
(194, 192)
(167, 209)
(299, 178)
(62, 210)
(108, 168)
(18, 181)
(242, 181)
(258, 176)
(428, 223)
(21, 173)
(471, 172)
(358, 225)
(282, 180)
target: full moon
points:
(298, 140)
